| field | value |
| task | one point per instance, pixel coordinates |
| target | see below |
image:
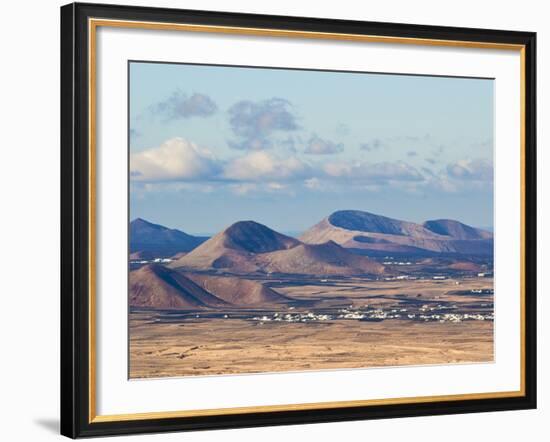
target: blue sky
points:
(211, 145)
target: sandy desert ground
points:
(170, 344)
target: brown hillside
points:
(466, 266)
(156, 286)
(318, 259)
(237, 291)
(233, 247)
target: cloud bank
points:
(262, 166)
(180, 161)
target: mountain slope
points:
(318, 259)
(233, 247)
(359, 221)
(237, 291)
(254, 237)
(456, 229)
(249, 247)
(159, 240)
(156, 286)
(365, 232)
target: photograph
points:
(288, 220)
(275, 221)
(282, 217)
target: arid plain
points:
(334, 323)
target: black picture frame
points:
(75, 220)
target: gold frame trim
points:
(93, 24)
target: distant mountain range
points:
(148, 239)
(366, 232)
(247, 246)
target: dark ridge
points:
(370, 240)
(159, 240)
(454, 229)
(365, 222)
(254, 237)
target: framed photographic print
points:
(275, 220)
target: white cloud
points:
(261, 165)
(476, 169)
(174, 160)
